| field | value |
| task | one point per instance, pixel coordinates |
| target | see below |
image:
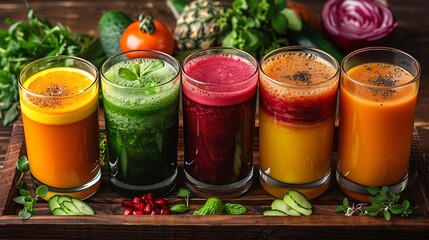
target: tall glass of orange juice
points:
(59, 102)
(298, 95)
(378, 93)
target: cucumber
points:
(83, 207)
(110, 27)
(310, 37)
(294, 205)
(300, 199)
(66, 205)
(280, 205)
(63, 198)
(66, 210)
(53, 203)
(272, 212)
(59, 212)
(72, 208)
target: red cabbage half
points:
(353, 24)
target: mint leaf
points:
(152, 67)
(235, 208)
(127, 74)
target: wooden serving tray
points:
(110, 223)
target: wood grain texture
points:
(108, 222)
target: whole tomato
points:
(147, 33)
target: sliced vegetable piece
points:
(300, 199)
(59, 212)
(83, 207)
(289, 201)
(63, 198)
(53, 203)
(272, 212)
(71, 207)
(280, 205)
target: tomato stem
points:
(146, 24)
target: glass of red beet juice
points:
(219, 104)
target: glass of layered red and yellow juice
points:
(59, 102)
(378, 94)
(298, 94)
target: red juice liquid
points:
(219, 118)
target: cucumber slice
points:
(58, 212)
(280, 205)
(289, 201)
(53, 203)
(63, 198)
(83, 207)
(71, 207)
(66, 210)
(300, 199)
(272, 212)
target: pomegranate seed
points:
(141, 206)
(128, 211)
(151, 202)
(165, 212)
(147, 209)
(157, 211)
(138, 212)
(127, 203)
(149, 196)
(160, 202)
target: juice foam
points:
(68, 100)
(223, 80)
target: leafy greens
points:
(25, 42)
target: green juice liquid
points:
(142, 130)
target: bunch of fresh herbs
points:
(25, 42)
(257, 26)
(384, 202)
(25, 198)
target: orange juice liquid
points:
(376, 125)
(61, 134)
(297, 123)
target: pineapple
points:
(196, 25)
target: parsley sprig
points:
(384, 202)
(26, 199)
(257, 27)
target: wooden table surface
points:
(82, 16)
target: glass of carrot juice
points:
(298, 94)
(59, 103)
(378, 94)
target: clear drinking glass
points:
(297, 109)
(141, 101)
(378, 95)
(219, 104)
(59, 103)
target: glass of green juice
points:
(141, 102)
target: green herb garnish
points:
(235, 208)
(131, 75)
(257, 26)
(212, 206)
(25, 198)
(25, 42)
(384, 202)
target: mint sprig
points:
(137, 74)
(384, 202)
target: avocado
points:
(111, 26)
